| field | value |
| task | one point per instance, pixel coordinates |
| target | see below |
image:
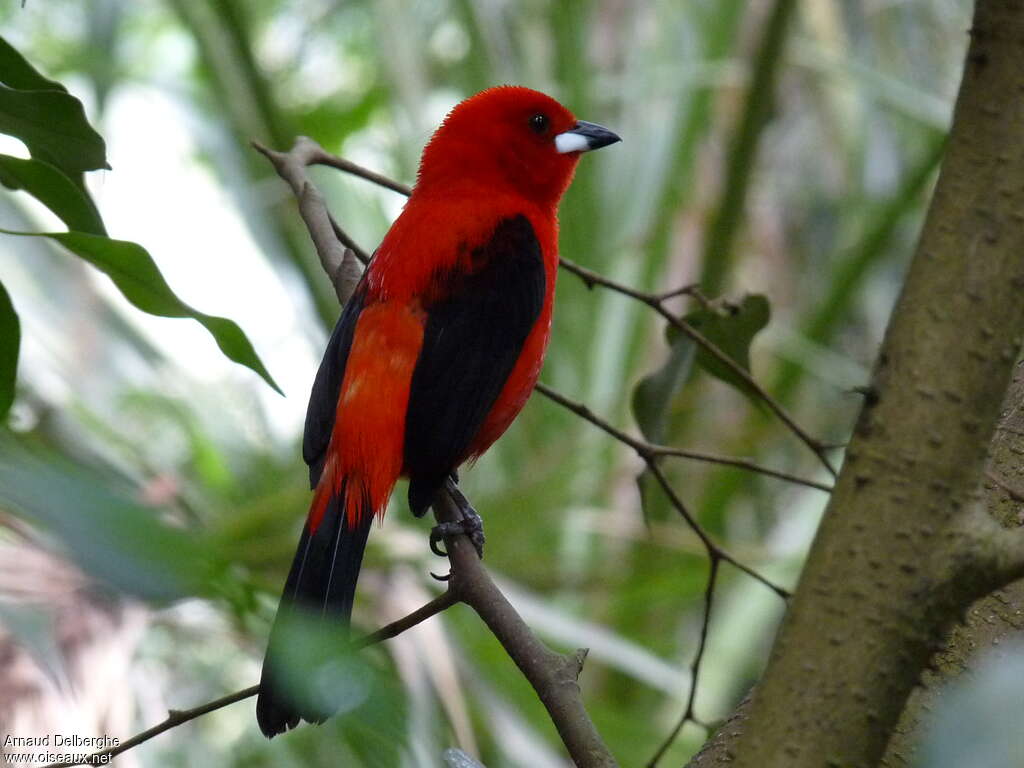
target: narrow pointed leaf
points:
(136, 275)
(653, 396)
(652, 408)
(53, 189)
(54, 128)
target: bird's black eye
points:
(539, 123)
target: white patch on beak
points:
(571, 142)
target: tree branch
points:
(656, 301)
(335, 248)
(651, 450)
(178, 717)
(553, 676)
(650, 454)
(714, 550)
(688, 713)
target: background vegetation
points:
(769, 147)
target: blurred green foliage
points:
(778, 148)
(108, 535)
(974, 720)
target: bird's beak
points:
(584, 137)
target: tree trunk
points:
(903, 550)
(994, 617)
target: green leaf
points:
(54, 190)
(115, 539)
(654, 394)
(136, 275)
(652, 405)
(17, 73)
(54, 128)
(732, 332)
(10, 341)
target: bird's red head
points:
(508, 139)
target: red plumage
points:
(443, 342)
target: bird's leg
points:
(469, 524)
(472, 523)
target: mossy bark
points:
(994, 617)
(896, 560)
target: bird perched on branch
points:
(438, 349)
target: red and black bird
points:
(439, 347)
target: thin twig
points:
(688, 714)
(177, 717)
(442, 602)
(351, 244)
(291, 166)
(650, 454)
(714, 549)
(816, 446)
(329, 239)
(657, 303)
(323, 157)
(740, 463)
(690, 289)
(648, 450)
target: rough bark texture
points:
(897, 559)
(718, 750)
(993, 618)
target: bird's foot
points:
(471, 525)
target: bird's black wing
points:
(475, 329)
(323, 400)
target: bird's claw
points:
(437, 534)
(471, 525)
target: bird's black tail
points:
(321, 586)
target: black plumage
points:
(323, 399)
(478, 319)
